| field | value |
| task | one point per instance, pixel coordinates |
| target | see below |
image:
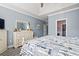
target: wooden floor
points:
(11, 52)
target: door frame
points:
(61, 20)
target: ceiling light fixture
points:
(42, 5)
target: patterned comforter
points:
(49, 46)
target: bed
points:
(51, 46)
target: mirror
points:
(23, 25)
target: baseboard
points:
(10, 46)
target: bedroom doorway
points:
(61, 28)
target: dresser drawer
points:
(18, 37)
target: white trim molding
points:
(60, 12)
(61, 20)
(10, 46)
(22, 12)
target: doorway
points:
(61, 28)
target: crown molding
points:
(22, 12)
(60, 12)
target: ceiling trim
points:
(19, 11)
(60, 12)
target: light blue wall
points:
(10, 22)
(72, 23)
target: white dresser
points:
(19, 36)
(3, 41)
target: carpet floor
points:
(11, 52)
